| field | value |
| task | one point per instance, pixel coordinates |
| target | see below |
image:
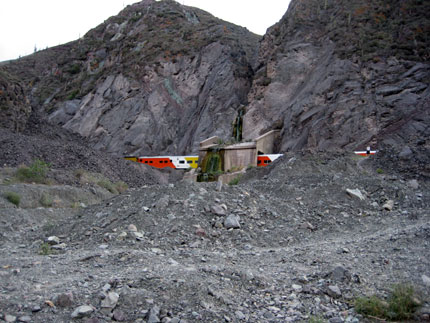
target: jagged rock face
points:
(160, 77)
(14, 105)
(177, 105)
(155, 79)
(344, 74)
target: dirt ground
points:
(287, 244)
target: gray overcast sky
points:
(26, 24)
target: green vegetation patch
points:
(13, 198)
(95, 178)
(45, 249)
(46, 200)
(35, 173)
(401, 304)
(234, 181)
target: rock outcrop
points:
(160, 77)
(155, 79)
(344, 74)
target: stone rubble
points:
(295, 247)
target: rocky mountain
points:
(344, 74)
(157, 78)
(301, 240)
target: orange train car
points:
(264, 160)
(186, 162)
(175, 162)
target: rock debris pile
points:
(296, 241)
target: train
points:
(175, 162)
(187, 162)
(366, 152)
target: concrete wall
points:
(266, 143)
(209, 142)
(239, 156)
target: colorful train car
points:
(264, 160)
(366, 152)
(186, 162)
(176, 162)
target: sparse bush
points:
(372, 306)
(75, 205)
(121, 187)
(106, 184)
(45, 249)
(13, 197)
(36, 173)
(379, 171)
(46, 200)
(234, 181)
(402, 304)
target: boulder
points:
(356, 193)
(232, 222)
(82, 311)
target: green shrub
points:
(45, 249)
(379, 171)
(372, 306)
(36, 173)
(234, 181)
(402, 304)
(46, 200)
(13, 197)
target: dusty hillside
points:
(69, 153)
(156, 78)
(15, 107)
(345, 74)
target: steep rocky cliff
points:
(159, 77)
(344, 74)
(155, 79)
